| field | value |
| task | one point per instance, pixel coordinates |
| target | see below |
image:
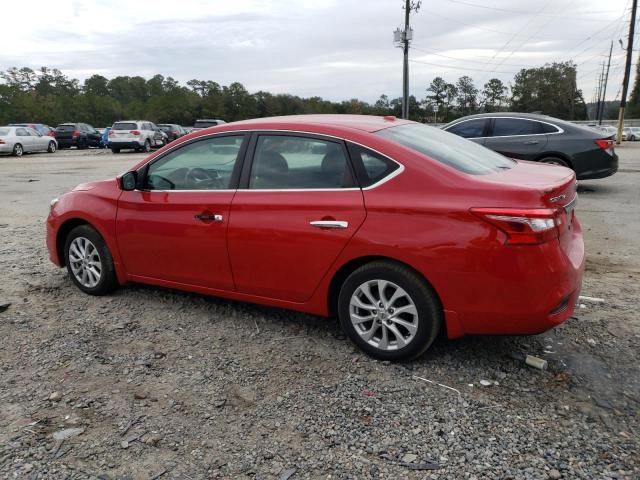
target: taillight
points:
(605, 143)
(2, 142)
(134, 132)
(111, 133)
(75, 133)
(523, 226)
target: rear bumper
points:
(530, 289)
(602, 166)
(5, 148)
(67, 142)
(125, 144)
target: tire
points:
(115, 150)
(413, 292)
(18, 151)
(554, 161)
(100, 277)
(82, 144)
(147, 146)
(52, 147)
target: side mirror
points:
(128, 181)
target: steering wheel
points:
(199, 175)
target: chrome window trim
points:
(560, 130)
(383, 180)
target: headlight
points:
(53, 203)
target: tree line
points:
(49, 96)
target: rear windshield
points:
(205, 124)
(447, 148)
(65, 128)
(4, 132)
(165, 128)
(124, 126)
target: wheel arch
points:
(562, 156)
(63, 233)
(352, 265)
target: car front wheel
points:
(52, 147)
(389, 311)
(89, 261)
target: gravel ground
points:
(151, 383)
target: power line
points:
(538, 14)
(457, 68)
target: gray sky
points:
(334, 49)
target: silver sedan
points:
(19, 140)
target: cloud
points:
(336, 50)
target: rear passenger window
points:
(507, 127)
(287, 162)
(469, 128)
(370, 166)
(548, 128)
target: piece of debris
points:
(242, 396)
(287, 474)
(440, 385)
(485, 383)
(536, 362)
(590, 299)
(131, 424)
(4, 306)
(159, 474)
(61, 435)
(124, 444)
(409, 458)
(55, 396)
(421, 466)
(140, 395)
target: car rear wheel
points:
(555, 161)
(89, 261)
(389, 311)
(115, 150)
(52, 147)
(18, 150)
(147, 146)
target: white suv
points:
(139, 135)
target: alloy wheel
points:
(383, 314)
(85, 262)
(18, 151)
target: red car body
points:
(428, 216)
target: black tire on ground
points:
(115, 150)
(60, 147)
(555, 161)
(82, 144)
(18, 151)
(147, 146)
(108, 280)
(430, 314)
(52, 147)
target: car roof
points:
(366, 123)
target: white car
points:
(139, 135)
(20, 140)
(632, 133)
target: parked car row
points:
(16, 140)
(543, 139)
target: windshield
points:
(447, 148)
(66, 127)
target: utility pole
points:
(627, 72)
(599, 90)
(402, 38)
(604, 88)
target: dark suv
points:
(541, 139)
(79, 135)
(172, 130)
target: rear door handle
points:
(208, 218)
(531, 142)
(329, 224)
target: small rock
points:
(124, 444)
(67, 433)
(153, 440)
(554, 474)
(140, 395)
(485, 383)
(242, 396)
(55, 396)
(409, 458)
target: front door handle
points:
(531, 142)
(208, 217)
(329, 224)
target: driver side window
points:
(202, 165)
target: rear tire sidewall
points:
(108, 280)
(18, 150)
(425, 299)
(52, 147)
(147, 146)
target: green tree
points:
(467, 95)
(494, 95)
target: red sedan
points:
(401, 230)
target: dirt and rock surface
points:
(150, 383)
